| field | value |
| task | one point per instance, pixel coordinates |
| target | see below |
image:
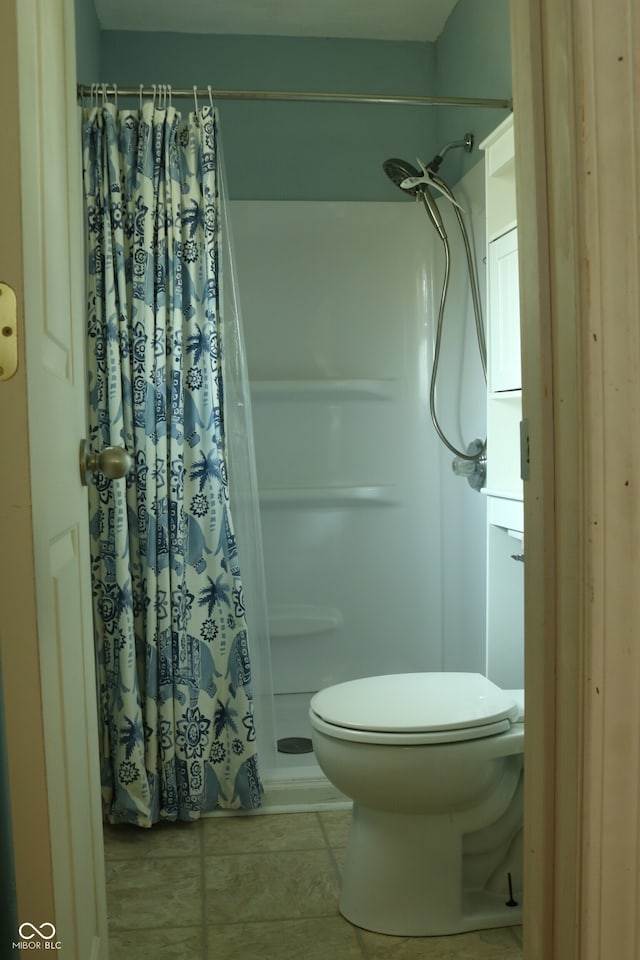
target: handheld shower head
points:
(398, 172)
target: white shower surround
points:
(374, 551)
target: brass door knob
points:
(113, 462)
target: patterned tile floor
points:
(253, 888)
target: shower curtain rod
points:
(86, 91)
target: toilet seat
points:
(414, 708)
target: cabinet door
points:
(504, 314)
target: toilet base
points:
(403, 877)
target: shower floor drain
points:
(295, 745)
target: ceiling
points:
(419, 20)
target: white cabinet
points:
(505, 604)
(504, 404)
(505, 534)
(504, 314)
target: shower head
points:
(398, 171)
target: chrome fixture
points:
(102, 91)
(466, 144)
(419, 184)
(474, 465)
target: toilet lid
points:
(415, 703)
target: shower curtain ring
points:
(210, 98)
(195, 98)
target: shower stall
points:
(373, 549)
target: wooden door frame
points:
(575, 92)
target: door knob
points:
(113, 462)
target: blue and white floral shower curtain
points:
(176, 714)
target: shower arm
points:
(466, 144)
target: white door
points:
(53, 298)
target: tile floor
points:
(253, 888)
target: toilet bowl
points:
(433, 763)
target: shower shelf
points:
(378, 496)
(299, 620)
(319, 390)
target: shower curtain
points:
(177, 733)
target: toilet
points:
(433, 763)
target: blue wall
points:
(473, 59)
(321, 151)
(87, 42)
(291, 150)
